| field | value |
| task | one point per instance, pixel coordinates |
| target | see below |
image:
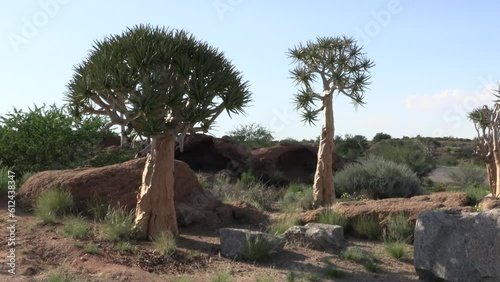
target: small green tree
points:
(252, 135)
(45, 138)
(351, 147)
(341, 68)
(381, 136)
(164, 84)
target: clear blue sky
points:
(435, 60)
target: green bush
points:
(447, 160)
(297, 198)
(166, 243)
(110, 157)
(351, 147)
(97, 208)
(416, 154)
(377, 178)
(396, 250)
(119, 224)
(282, 224)
(252, 136)
(381, 136)
(247, 179)
(75, 226)
(258, 248)
(92, 248)
(328, 216)
(399, 229)
(47, 138)
(476, 194)
(367, 227)
(469, 175)
(53, 203)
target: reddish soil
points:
(42, 249)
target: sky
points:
(435, 60)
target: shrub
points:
(92, 248)
(53, 203)
(447, 160)
(97, 208)
(476, 194)
(123, 246)
(399, 229)
(291, 276)
(252, 135)
(119, 224)
(4, 180)
(257, 194)
(297, 197)
(354, 254)
(377, 178)
(469, 175)
(372, 267)
(166, 243)
(221, 276)
(328, 216)
(381, 136)
(109, 157)
(47, 138)
(396, 250)
(366, 227)
(247, 179)
(61, 275)
(258, 248)
(76, 227)
(282, 224)
(351, 147)
(416, 154)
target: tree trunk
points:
(155, 211)
(496, 157)
(323, 188)
(491, 170)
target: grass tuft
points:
(119, 224)
(75, 226)
(328, 216)
(367, 227)
(53, 203)
(396, 250)
(166, 243)
(282, 224)
(92, 248)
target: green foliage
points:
(119, 224)
(334, 272)
(399, 229)
(76, 227)
(416, 154)
(159, 73)
(222, 276)
(377, 178)
(97, 208)
(52, 203)
(354, 254)
(351, 147)
(334, 61)
(396, 250)
(166, 243)
(328, 216)
(381, 136)
(247, 179)
(258, 248)
(312, 277)
(110, 157)
(447, 160)
(291, 276)
(280, 225)
(252, 136)
(469, 175)
(476, 194)
(92, 248)
(47, 138)
(366, 227)
(182, 279)
(297, 197)
(4, 180)
(123, 246)
(257, 194)
(372, 267)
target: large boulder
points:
(234, 243)
(323, 237)
(288, 163)
(458, 247)
(119, 184)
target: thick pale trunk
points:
(155, 211)
(496, 157)
(491, 170)
(323, 188)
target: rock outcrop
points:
(458, 247)
(323, 237)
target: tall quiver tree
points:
(163, 83)
(342, 68)
(484, 148)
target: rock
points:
(323, 237)
(119, 185)
(489, 203)
(234, 242)
(287, 163)
(458, 247)
(248, 213)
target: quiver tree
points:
(484, 147)
(341, 68)
(163, 83)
